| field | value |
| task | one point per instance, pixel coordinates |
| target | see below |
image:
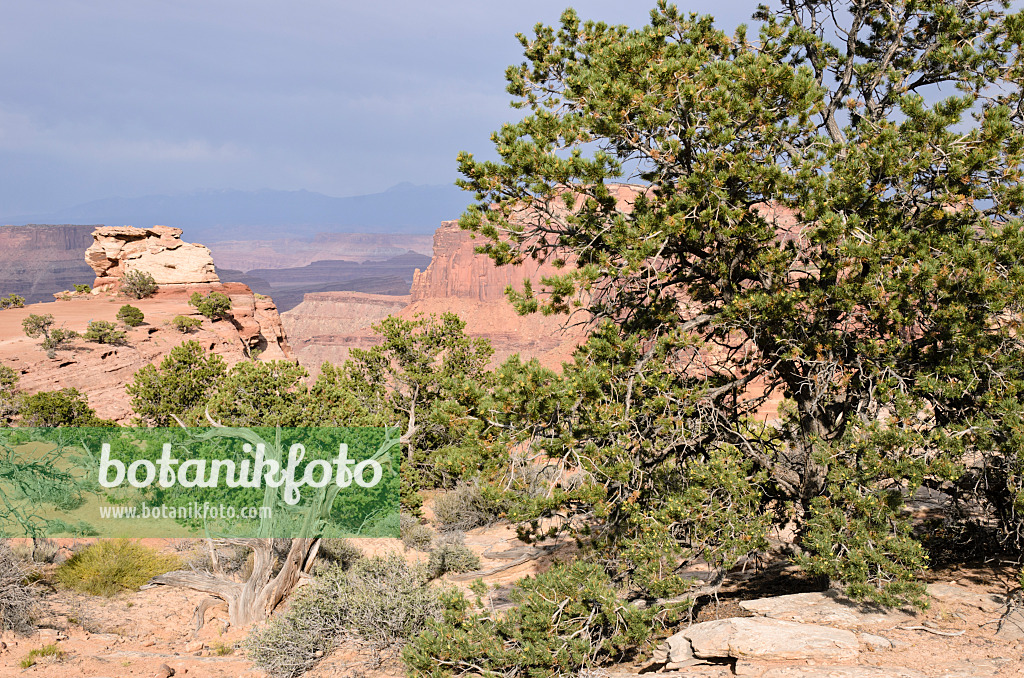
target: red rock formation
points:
(158, 250)
(327, 325)
(101, 371)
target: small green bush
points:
(566, 620)
(385, 601)
(104, 332)
(12, 301)
(36, 325)
(130, 315)
(110, 566)
(214, 305)
(452, 555)
(414, 534)
(15, 595)
(66, 407)
(83, 289)
(52, 650)
(138, 284)
(57, 339)
(185, 324)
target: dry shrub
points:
(384, 601)
(464, 508)
(452, 555)
(15, 596)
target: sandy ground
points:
(135, 633)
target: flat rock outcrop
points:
(157, 250)
(757, 638)
(826, 607)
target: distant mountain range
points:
(212, 216)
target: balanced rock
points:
(158, 250)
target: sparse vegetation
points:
(414, 534)
(214, 305)
(384, 601)
(36, 325)
(110, 566)
(54, 338)
(11, 301)
(15, 596)
(185, 324)
(51, 651)
(131, 316)
(83, 289)
(138, 284)
(451, 554)
(104, 332)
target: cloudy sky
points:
(106, 98)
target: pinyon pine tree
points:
(829, 213)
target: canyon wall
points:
(326, 326)
(37, 261)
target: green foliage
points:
(138, 284)
(36, 325)
(214, 305)
(185, 324)
(819, 222)
(110, 566)
(452, 555)
(181, 386)
(66, 407)
(52, 650)
(83, 289)
(431, 379)
(8, 394)
(12, 300)
(131, 316)
(566, 620)
(260, 394)
(384, 601)
(57, 338)
(104, 332)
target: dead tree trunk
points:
(256, 598)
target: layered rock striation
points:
(39, 260)
(157, 250)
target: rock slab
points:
(825, 607)
(761, 639)
(158, 250)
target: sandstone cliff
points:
(327, 325)
(158, 250)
